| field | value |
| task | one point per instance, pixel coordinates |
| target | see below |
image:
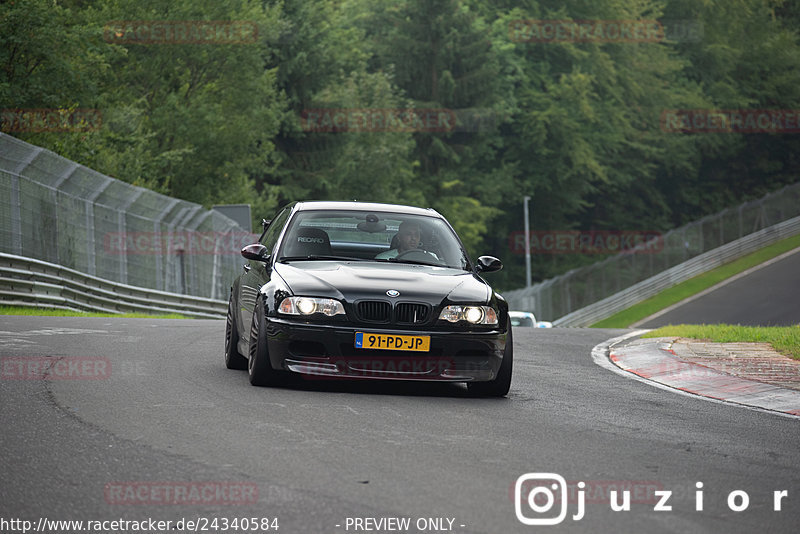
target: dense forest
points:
(462, 105)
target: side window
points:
(274, 229)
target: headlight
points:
(470, 314)
(310, 306)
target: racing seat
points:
(308, 242)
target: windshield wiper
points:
(316, 257)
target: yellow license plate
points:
(365, 340)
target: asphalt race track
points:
(167, 414)
(769, 296)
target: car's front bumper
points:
(328, 351)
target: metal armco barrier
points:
(35, 283)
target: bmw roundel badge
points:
(393, 293)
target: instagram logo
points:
(540, 491)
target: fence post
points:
(192, 261)
(91, 252)
(161, 283)
(16, 203)
(122, 226)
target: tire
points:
(259, 367)
(501, 384)
(233, 358)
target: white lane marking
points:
(55, 332)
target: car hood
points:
(352, 281)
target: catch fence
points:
(58, 211)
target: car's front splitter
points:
(329, 351)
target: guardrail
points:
(698, 265)
(35, 283)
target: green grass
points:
(695, 285)
(784, 339)
(54, 312)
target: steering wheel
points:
(417, 255)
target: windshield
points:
(372, 236)
(521, 320)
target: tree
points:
(191, 120)
(45, 59)
(443, 60)
(746, 58)
(48, 63)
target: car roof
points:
(365, 206)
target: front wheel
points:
(259, 368)
(501, 384)
(233, 358)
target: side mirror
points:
(256, 251)
(488, 264)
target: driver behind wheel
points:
(407, 239)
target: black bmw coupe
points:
(354, 290)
